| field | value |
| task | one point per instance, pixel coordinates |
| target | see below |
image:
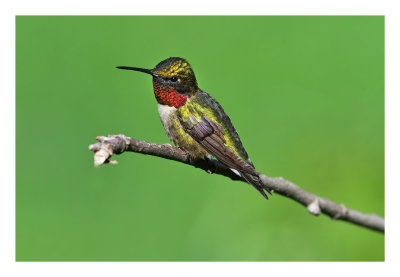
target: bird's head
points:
(173, 81)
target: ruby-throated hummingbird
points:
(195, 121)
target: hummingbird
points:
(195, 121)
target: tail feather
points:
(256, 183)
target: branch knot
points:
(314, 208)
(341, 213)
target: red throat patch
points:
(168, 96)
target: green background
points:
(306, 94)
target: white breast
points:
(165, 113)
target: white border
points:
(9, 267)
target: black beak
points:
(148, 71)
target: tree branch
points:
(117, 144)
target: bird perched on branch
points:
(195, 121)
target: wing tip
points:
(256, 183)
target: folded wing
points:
(210, 135)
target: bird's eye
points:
(174, 79)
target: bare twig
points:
(117, 144)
